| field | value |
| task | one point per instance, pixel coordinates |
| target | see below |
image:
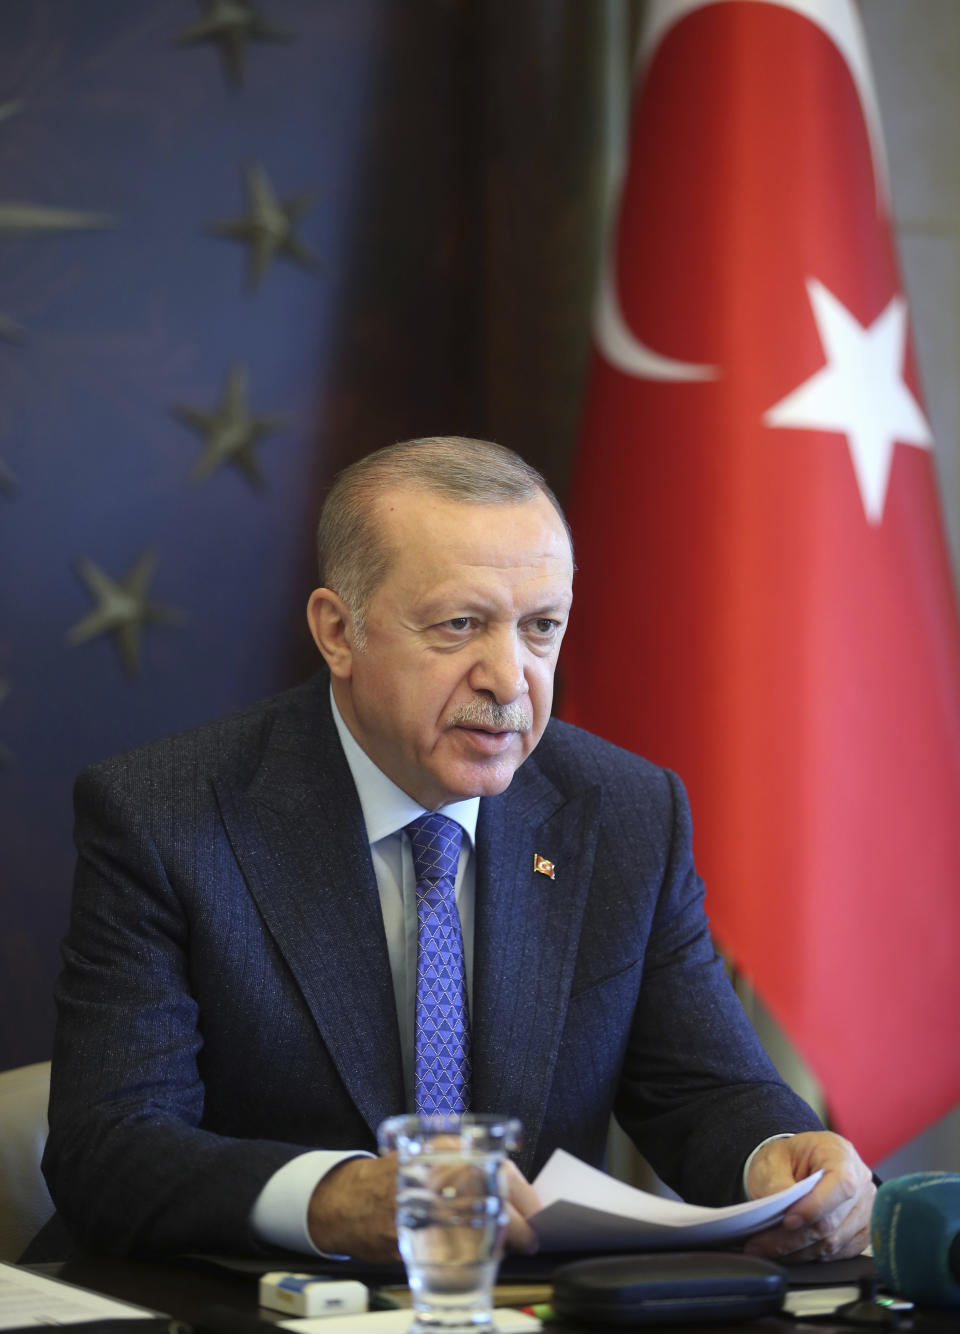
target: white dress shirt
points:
(280, 1212)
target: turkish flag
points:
(764, 601)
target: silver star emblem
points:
(35, 219)
(231, 23)
(268, 227)
(19, 219)
(230, 432)
(122, 609)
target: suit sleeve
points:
(129, 1161)
(697, 1091)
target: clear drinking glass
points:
(451, 1214)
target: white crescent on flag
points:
(615, 340)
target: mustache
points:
(494, 717)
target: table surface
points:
(189, 1289)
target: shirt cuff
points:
(786, 1134)
(280, 1211)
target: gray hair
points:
(352, 552)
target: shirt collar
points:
(386, 807)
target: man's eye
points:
(545, 625)
(459, 622)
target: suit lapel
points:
(298, 835)
(527, 933)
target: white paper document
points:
(34, 1299)
(582, 1209)
(505, 1321)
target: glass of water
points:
(451, 1214)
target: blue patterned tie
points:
(442, 1057)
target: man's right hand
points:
(353, 1210)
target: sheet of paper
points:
(583, 1209)
(34, 1299)
(505, 1321)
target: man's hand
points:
(833, 1221)
(353, 1209)
(521, 1203)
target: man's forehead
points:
(448, 550)
(427, 510)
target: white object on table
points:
(34, 1299)
(505, 1320)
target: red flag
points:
(765, 602)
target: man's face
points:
(455, 685)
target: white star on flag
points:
(860, 392)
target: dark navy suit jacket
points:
(226, 999)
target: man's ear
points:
(330, 622)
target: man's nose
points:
(498, 670)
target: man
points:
(240, 1002)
